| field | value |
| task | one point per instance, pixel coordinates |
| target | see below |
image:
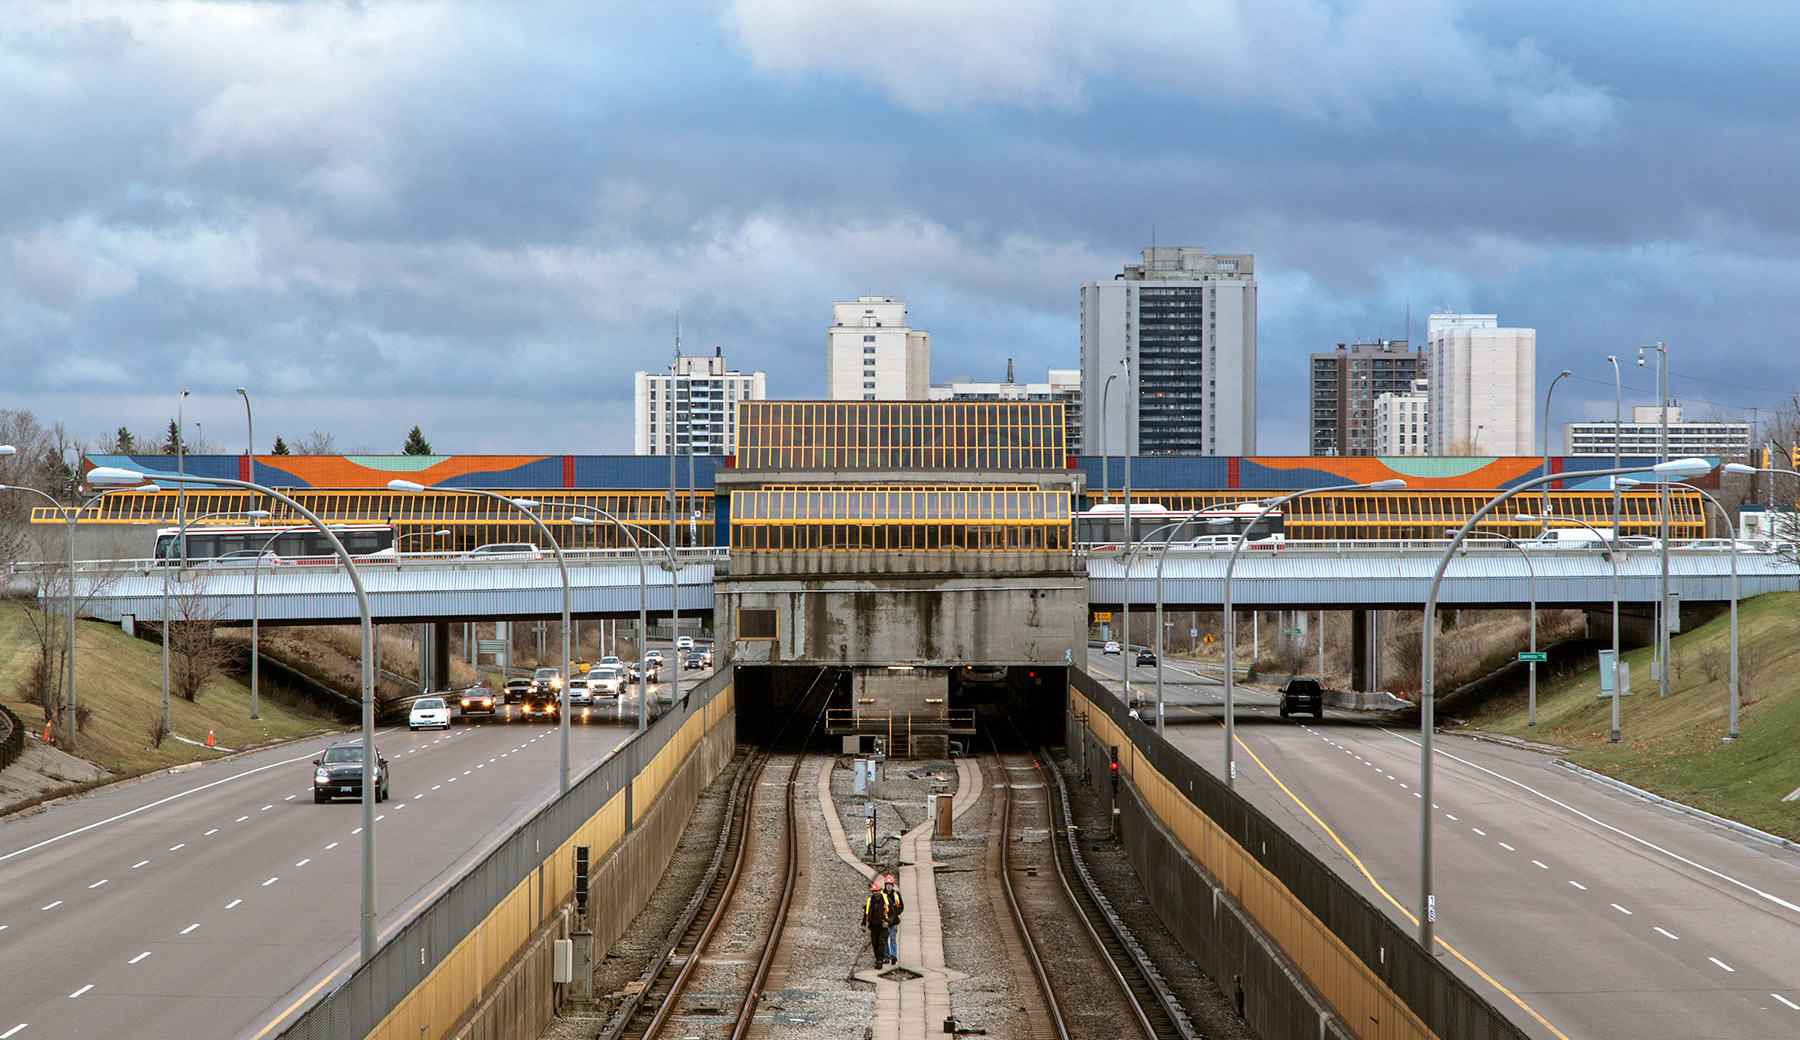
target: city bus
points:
(1103, 526)
(221, 545)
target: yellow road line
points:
(1510, 995)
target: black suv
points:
(340, 773)
(1303, 695)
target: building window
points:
(868, 339)
(755, 623)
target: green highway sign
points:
(1534, 655)
(1291, 631)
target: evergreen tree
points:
(124, 443)
(172, 444)
(281, 447)
(416, 444)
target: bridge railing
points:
(656, 560)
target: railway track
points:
(655, 1006)
(1147, 1002)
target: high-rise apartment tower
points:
(1483, 386)
(871, 354)
(1185, 320)
(1345, 384)
(695, 406)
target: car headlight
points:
(321, 775)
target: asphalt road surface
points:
(214, 901)
(1579, 910)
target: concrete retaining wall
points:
(523, 1001)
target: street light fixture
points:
(1551, 389)
(111, 476)
(1427, 917)
(1392, 484)
(1731, 727)
(1662, 498)
(526, 505)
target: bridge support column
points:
(440, 655)
(1365, 650)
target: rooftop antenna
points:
(1009, 375)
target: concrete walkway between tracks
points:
(913, 999)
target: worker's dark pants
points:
(878, 937)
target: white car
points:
(611, 659)
(1111, 647)
(654, 655)
(684, 643)
(604, 680)
(578, 692)
(505, 551)
(429, 711)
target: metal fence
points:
(1446, 1004)
(12, 737)
(375, 989)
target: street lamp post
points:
(250, 450)
(104, 476)
(1231, 621)
(1731, 726)
(1531, 579)
(643, 600)
(1475, 442)
(70, 517)
(1618, 416)
(525, 505)
(1427, 917)
(1551, 389)
(1662, 498)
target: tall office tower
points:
(1402, 419)
(696, 406)
(1483, 386)
(1060, 384)
(1345, 385)
(1186, 321)
(871, 355)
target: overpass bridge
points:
(1292, 576)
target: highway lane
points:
(1591, 912)
(205, 903)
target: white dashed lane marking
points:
(240, 819)
(80, 991)
(304, 862)
(98, 883)
(1579, 885)
(233, 904)
(1479, 831)
(1539, 864)
(183, 845)
(1722, 964)
(139, 957)
(208, 834)
(190, 928)
(269, 882)
(331, 846)
(22, 1025)
(1507, 847)
(1621, 909)
(1668, 933)
(54, 905)
(139, 863)
(1777, 996)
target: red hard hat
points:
(875, 885)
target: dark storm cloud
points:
(385, 213)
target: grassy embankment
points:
(120, 679)
(1672, 745)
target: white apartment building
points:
(1185, 319)
(1402, 424)
(695, 406)
(1641, 436)
(1483, 386)
(1060, 384)
(871, 354)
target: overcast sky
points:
(482, 217)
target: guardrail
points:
(12, 743)
(656, 560)
(902, 723)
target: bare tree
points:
(48, 579)
(317, 442)
(196, 652)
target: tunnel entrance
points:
(767, 694)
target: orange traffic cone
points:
(46, 732)
(209, 734)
